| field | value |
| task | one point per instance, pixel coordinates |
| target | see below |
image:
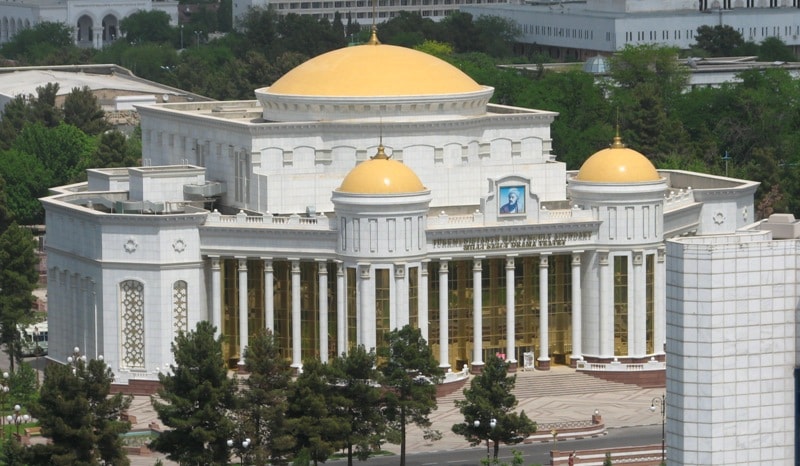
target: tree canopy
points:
(718, 40)
(147, 26)
(488, 409)
(80, 416)
(409, 373)
(194, 401)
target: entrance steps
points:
(559, 382)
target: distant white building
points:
(582, 29)
(93, 24)
(359, 10)
(117, 89)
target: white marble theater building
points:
(372, 187)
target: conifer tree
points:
(490, 401)
(77, 412)
(409, 373)
(356, 377)
(263, 402)
(195, 401)
(313, 417)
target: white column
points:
(544, 340)
(422, 300)
(297, 355)
(366, 300)
(477, 315)
(511, 335)
(323, 311)
(660, 302)
(269, 295)
(444, 340)
(97, 37)
(216, 296)
(341, 311)
(400, 308)
(606, 307)
(577, 318)
(243, 310)
(637, 318)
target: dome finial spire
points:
(373, 38)
(617, 144)
(381, 155)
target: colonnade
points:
(372, 299)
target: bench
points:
(31, 431)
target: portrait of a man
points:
(512, 200)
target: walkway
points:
(558, 395)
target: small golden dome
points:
(617, 164)
(381, 175)
(371, 70)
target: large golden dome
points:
(374, 70)
(381, 175)
(617, 164)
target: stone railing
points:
(318, 222)
(644, 455)
(679, 198)
(616, 366)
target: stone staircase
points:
(531, 384)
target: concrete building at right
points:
(732, 329)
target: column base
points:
(241, 368)
(511, 366)
(573, 361)
(297, 368)
(476, 368)
(543, 364)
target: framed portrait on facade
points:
(512, 200)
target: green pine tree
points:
(488, 409)
(263, 402)
(195, 401)
(409, 374)
(77, 412)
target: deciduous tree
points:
(147, 26)
(18, 279)
(25, 180)
(718, 40)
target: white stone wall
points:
(731, 306)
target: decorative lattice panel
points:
(132, 323)
(180, 307)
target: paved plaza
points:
(620, 406)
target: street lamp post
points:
(492, 424)
(181, 36)
(37, 350)
(197, 35)
(17, 418)
(4, 389)
(75, 358)
(245, 443)
(661, 402)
